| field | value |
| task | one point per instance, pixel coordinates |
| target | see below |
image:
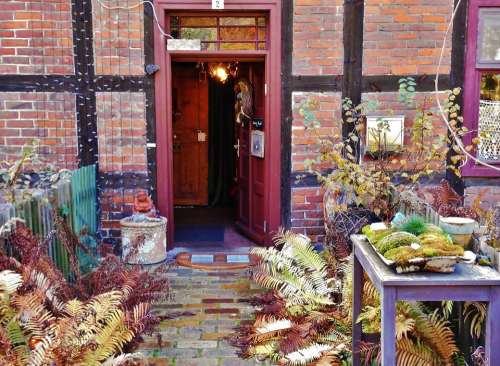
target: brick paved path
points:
(215, 298)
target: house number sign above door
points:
(217, 4)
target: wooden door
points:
(251, 217)
(190, 135)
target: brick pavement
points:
(217, 301)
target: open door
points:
(190, 135)
(250, 166)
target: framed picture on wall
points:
(257, 142)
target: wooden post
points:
(457, 77)
(286, 111)
(357, 303)
(354, 11)
(149, 90)
(388, 326)
(81, 11)
(492, 328)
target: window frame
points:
(257, 41)
(471, 91)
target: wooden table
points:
(467, 283)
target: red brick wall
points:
(307, 202)
(115, 204)
(307, 211)
(36, 37)
(405, 37)
(317, 37)
(118, 38)
(48, 117)
(327, 109)
(121, 131)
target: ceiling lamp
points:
(221, 71)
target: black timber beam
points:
(286, 111)
(149, 89)
(125, 180)
(37, 83)
(70, 83)
(353, 56)
(116, 83)
(457, 76)
(320, 83)
(389, 83)
(83, 50)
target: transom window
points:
(235, 32)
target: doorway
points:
(218, 176)
(269, 55)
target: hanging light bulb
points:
(219, 72)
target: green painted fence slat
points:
(79, 195)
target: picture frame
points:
(393, 136)
(257, 144)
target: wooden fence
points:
(75, 197)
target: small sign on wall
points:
(217, 4)
(257, 143)
(183, 44)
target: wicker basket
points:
(148, 238)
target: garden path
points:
(217, 301)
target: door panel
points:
(190, 117)
(251, 173)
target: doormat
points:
(188, 233)
(216, 262)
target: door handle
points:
(237, 148)
(176, 146)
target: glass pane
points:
(208, 46)
(174, 27)
(262, 34)
(198, 21)
(261, 21)
(262, 46)
(489, 117)
(489, 35)
(237, 33)
(237, 21)
(238, 46)
(205, 34)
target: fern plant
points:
(36, 330)
(298, 321)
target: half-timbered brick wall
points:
(72, 75)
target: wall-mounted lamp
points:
(384, 134)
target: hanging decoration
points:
(243, 107)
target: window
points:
(482, 84)
(240, 32)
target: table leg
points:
(493, 328)
(388, 340)
(357, 293)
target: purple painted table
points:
(467, 283)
